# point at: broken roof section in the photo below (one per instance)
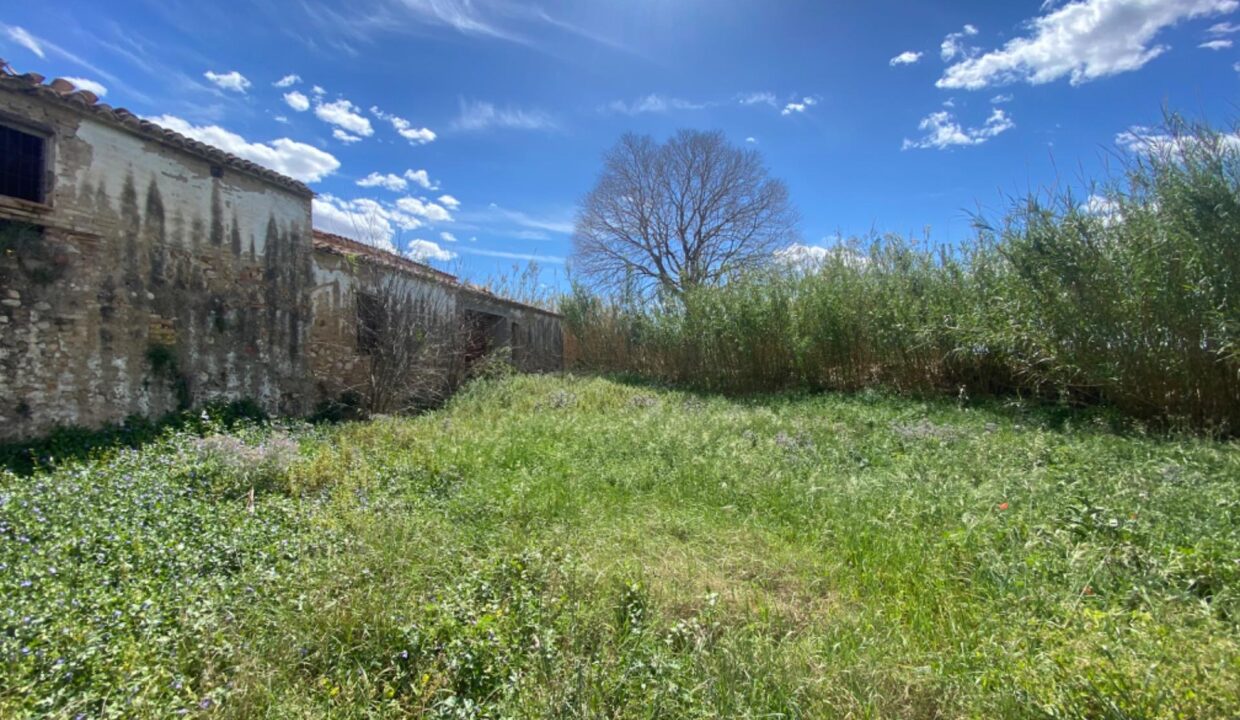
(64, 93)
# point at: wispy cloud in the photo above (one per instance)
(404, 128)
(758, 98)
(799, 107)
(561, 226)
(22, 37)
(653, 103)
(477, 115)
(42, 47)
(527, 257)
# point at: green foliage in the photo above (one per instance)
(564, 547)
(66, 444)
(1130, 298)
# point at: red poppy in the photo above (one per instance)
(1003, 506)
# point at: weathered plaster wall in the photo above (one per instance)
(154, 284)
(443, 310)
(335, 360)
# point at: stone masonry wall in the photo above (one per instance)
(153, 285)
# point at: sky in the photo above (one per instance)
(465, 132)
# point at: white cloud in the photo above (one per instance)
(426, 209)
(416, 136)
(751, 140)
(231, 80)
(390, 181)
(363, 219)
(342, 217)
(1107, 209)
(1084, 41)
(1236, 67)
(449, 202)
(20, 36)
(653, 104)
(758, 98)
(952, 46)
(344, 115)
(942, 131)
(287, 81)
(297, 160)
(345, 137)
(424, 250)
(447, 237)
(1221, 44)
(297, 101)
(1152, 141)
(813, 257)
(908, 57)
(280, 119)
(318, 90)
(89, 85)
(799, 107)
(1001, 99)
(1223, 28)
(422, 178)
(478, 115)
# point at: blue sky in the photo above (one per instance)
(470, 128)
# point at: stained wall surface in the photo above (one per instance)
(152, 285)
(154, 278)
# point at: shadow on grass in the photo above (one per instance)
(1061, 416)
(76, 443)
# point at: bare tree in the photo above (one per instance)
(690, 212)
(410, 337)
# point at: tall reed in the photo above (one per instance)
(1131, 296)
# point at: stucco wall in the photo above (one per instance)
(154, 284)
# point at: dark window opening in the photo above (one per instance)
(21, 164)
(217, 171)
(517, 343)
(370, 316)
(483, 335)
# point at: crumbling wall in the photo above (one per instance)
(449, 314)
(337, 363)
(156, 282)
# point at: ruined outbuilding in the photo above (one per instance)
(143, 272)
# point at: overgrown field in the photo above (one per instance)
(568, 547)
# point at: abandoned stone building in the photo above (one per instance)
(143, 272)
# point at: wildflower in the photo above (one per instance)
(1003, 506)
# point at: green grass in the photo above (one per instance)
(575, 547)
